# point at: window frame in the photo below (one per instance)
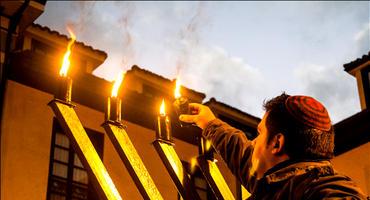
(98, 141)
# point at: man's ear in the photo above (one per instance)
(278, 144)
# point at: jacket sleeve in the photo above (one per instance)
(234, 148)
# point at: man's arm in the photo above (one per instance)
(234, 147)
(229, 142)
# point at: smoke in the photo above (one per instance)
(126, 25)
(108, 27)
(210, 69)
(189, 36)
(104, 26)
(85, 11)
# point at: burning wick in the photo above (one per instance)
(205, 148)
(193, 164)
(65, 87)
(113, 112)
(163, 129)
(181, 103)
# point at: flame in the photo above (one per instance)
(208, 145)
(177, 88)
(66, 62)
(162, 110)
(117, 84)
(193, 164)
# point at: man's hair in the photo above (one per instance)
(301, 141)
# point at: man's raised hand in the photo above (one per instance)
(201, 115)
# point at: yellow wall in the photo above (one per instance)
(25, 143)
(356, 164)
(25, 148)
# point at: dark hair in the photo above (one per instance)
(301, 141)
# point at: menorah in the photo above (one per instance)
(64, 111)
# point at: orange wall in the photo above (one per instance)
(356, 164)
(25, 144)
(25, 148)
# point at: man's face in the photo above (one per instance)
(262, 150)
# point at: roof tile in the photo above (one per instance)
(52, 32)
(359, 61)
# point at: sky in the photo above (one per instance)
(241, 53)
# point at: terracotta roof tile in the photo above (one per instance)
(213, 100)
(52, 32)
(359, 61)
(135, 67)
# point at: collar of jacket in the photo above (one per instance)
(290, 168)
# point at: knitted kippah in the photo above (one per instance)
(308, 111)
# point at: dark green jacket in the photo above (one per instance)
(292, 179)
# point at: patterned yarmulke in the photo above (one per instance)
(308, 111)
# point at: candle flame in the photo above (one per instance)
(193, 164)
(66, 62)
(117, 84)
(162, 110)
(208, 145)
(177, 88)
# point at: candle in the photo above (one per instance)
(163, 126)
(65, 89)
(181, 106)
(65, 82)
(113, 109)
(204, 147)
(181, 103)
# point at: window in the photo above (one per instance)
(68, 180)
(365, 73)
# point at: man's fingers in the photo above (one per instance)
(194, 104)
(194, 108)
(188, 118)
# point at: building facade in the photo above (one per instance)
(37, 159)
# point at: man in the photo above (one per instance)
(289, 159)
